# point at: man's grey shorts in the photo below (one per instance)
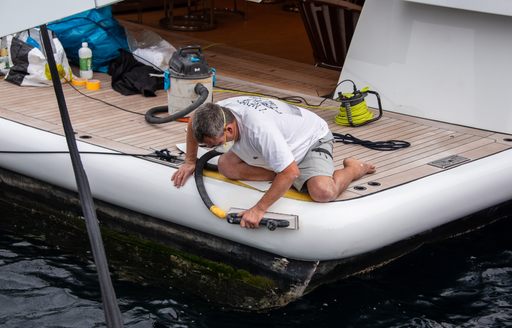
(317, 162)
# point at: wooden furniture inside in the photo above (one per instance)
(330, 25)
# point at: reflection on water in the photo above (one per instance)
(463, 282)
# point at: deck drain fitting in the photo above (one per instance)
(507, 139)
(360, 188)
(85, 137)
(374, 184)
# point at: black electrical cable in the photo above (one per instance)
(388, 145)
(115, 38)
(161, 109)
(112, 313)
(28, 152)
(104, 102)
(293, 99)
(163, 154)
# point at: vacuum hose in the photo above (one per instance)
(198, 175)
(199, 89)
(232, 218)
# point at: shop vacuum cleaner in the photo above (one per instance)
(188, 82)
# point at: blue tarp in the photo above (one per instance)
(99, 29)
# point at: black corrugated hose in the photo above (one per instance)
(150, 117)
(198, 176)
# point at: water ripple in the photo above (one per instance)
(464, 282)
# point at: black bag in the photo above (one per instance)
(131, 77)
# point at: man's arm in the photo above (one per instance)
(282, 182)
(187, 168)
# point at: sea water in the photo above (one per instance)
(461, 282)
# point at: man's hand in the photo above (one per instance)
(187, 169)
(251, 218)
(184, 172)
(282, 182)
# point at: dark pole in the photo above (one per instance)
(112, 313)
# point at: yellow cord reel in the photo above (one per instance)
(354, 110)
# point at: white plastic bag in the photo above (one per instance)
(150, 49)
(28, 64)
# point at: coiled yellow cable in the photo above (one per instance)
(359, 113)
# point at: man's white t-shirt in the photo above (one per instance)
(273, 133)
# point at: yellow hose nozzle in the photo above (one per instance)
(219, 212)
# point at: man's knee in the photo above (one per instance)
(321, 193)
(224, 166)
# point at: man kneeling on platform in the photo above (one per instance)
(275, 141)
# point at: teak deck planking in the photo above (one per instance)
(124, 131)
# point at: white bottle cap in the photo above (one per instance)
(84, 44)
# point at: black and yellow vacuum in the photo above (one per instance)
(188, 82)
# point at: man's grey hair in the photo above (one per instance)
(208, 121)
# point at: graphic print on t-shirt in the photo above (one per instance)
(262, 105)
(259, 104)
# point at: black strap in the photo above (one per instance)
(322, 150)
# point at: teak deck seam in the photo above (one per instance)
(115, 129)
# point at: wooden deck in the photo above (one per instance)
(127, 131)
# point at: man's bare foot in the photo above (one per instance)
(360, 168)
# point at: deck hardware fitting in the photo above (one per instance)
(449, 162)
(374, 183)
(359, 188)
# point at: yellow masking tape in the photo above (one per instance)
(78, 81)
(93, 85)
(292, 193)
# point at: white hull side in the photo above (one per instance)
(434, 62)
(327, 231)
